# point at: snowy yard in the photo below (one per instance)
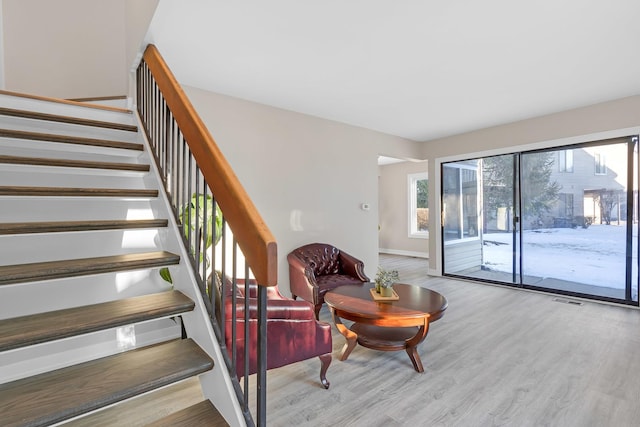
(594, 256)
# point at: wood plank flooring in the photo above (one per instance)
(498, 357)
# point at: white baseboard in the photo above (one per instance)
(404, 253)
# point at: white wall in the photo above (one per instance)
(138, 15)
(307, 176)
(394, 210)
(605, 120)
(72, 48)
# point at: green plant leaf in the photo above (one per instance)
(166, 274)
(192, 222)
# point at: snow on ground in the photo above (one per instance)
(594, 256)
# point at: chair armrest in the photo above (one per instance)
(252, 290)
(302, 279)
(277, 309)
(352, 266)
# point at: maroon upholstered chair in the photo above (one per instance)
(316, 268)
(293, 333)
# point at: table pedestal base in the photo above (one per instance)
(386, 339)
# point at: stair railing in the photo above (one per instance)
(215, 214)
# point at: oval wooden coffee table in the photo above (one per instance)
(389, 325)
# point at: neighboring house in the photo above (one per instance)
(590, 188)
(592, 185)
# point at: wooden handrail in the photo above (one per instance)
(252, 234)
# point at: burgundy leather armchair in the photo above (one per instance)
(293, 333)
(316, 268)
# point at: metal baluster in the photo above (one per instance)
(234, 311)
(247, 333)
(181, 174)
(261, 377)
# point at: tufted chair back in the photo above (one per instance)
(321, 258)
(316, 268)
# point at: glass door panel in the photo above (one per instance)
(564, 219)
(574, 219)
(478, 226)
(461, 217)
(499, 246)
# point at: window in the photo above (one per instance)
(565, 205)
(418, 205)
(601, 167)
(565, 161)
(460, 200)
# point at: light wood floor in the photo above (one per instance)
(498, 357)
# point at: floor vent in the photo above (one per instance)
(568, 301)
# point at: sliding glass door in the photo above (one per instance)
(561, 219)
(478, 231)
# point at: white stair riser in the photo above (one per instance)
(67, 129)
(33, 360)
(22, 209)
(63, 109)
(23, 299)
(36, 146)
(17, 249)
(47, 151)
(39, 176)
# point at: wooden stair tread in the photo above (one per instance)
(78, 140)
(39, 161)
(20, 273)
(66, 226)
(202, 414)
(68, 392)
(72, 192)
(38, 328)
(66, 119)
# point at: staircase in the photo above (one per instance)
(86, 321)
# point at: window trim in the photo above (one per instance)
(412, 180)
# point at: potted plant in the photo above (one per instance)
(191, 220)
(385, 280)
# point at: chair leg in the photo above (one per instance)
(325, 361)
(294, 297)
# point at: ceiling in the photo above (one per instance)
(416, 69)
